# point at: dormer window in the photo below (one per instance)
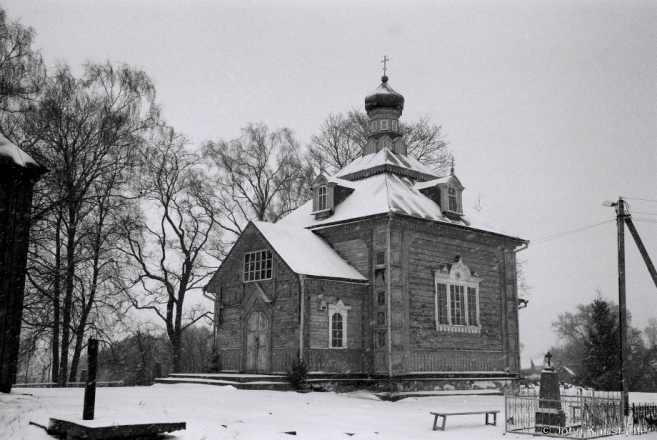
(393, 125)
(327, 195)
(453, 200)
(322, 198)
(384, 125)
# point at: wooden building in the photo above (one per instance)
(383, 274)
(19, 173)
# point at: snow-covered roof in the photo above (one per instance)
(385, 158)
(384, 193)
(306, 253)
(569, 370)
(10, 152)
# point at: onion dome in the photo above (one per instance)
(384, 97)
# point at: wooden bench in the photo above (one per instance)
(444, 416)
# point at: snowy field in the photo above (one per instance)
(214, 412)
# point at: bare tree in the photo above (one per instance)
(22, 73)
(82, 130)
(342, 137)
(165, 237)
(259, 176)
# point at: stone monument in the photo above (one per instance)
(550, 416)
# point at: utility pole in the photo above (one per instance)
(622, 217)
(622, 312)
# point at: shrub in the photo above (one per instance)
(297, 373)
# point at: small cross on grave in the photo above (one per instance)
(385, 60)
(548, 357)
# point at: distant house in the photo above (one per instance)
(383, 273)
(566, 374)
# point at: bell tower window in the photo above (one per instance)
(322, 198)
(453, 200)
(373, 126)
(393, 125)
(384, 125)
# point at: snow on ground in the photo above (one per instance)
(223, 412)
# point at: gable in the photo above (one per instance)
(231, 269)
(299, 250)
(306, 253)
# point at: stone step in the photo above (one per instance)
(251, 385)
(231, 377)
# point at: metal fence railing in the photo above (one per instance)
(643, 417)
(573, 416)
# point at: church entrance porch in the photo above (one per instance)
(257, 343)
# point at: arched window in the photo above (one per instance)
(453, 200)
(336, 330)
(322, 198)
(337, 318)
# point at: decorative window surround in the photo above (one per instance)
(343, 311)
(448, 279)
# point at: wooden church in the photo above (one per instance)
(383, 274)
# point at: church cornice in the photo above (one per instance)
(388, 168)
(423, 225)
(455, 231)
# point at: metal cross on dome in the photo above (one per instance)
(385, 60)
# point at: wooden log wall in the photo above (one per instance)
(239, 299)
(351, 294)
(426, 252)
(15, 210)
(455, 361)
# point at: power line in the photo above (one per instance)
(634, 198)
(573, 231)
(645, 220)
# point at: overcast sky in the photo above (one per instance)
(549, 107)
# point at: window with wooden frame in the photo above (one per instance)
(373, 126)
(453, 199)
(338, 314)
(384, 125)
(457, 298)
(257, 265)
(393, 125)
(322, 198)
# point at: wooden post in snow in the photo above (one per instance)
(90, 386)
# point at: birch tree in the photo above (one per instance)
(83, 130)
(258, 176)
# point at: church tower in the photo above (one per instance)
(384, 107)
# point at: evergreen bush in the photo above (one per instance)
(297, 374)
